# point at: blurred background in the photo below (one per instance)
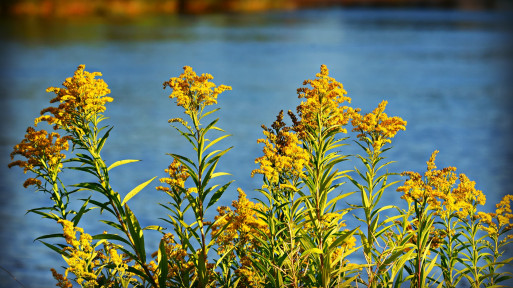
(443, 65)
(67, 8)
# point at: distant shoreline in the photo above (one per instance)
(84, 8)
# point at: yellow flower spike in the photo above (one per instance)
(376, 128)
(42, 151)
(243, 224)
(82, 256)
(437, 188)
(283, 154)
(194, 92)
(82, 97)
(179, 264)
(503, 217)
(177, 176)
(323, 102)
(179, 120)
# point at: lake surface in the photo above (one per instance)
(448, 73)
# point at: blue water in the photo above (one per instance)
(446, 72)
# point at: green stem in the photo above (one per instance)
(102, 174)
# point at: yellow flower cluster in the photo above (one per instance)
(86, 263)
(348, 244)
(323, 104)
(251, 278)
(42, 150)
(117, 260)
(178, 263)
(283, 154)
(194, 92)
(179, 120)
(338, 254)
(177, 177)
(502, 216)
(377, 128)
(242, 225)
(331, 221)
(82, 97)
(81, 255)
(464, 196)
(436, 188)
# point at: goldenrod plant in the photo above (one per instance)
(321, 121)
(497, 226)
(383, 251)
(279, 262)
(296, 232)
(194, 93)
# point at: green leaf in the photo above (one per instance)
(136, 232)
(55, 248)
(217, 174)
(209, 112)
(215, 141)
(136, 190)
(342, 238)
(121, 162)
(81, 212)
(45, 215)
(112, 224)
(218, 194)
(154, 227)
(335, 200)
(111, 237)
(139, 273)
(102, 141)
(89, 170)
(313, 250)
(58, 235)
(92, 186)
(184, 160)
(102, 206)
(162, 260)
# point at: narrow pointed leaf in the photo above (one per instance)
(121, 162)
(136, 190)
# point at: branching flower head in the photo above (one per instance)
(177, 176)
(87, 263)
(241, 227)
(437, 189)
(323, 106)
(81, 254)
(43, 154)
(283, 154)
(194, 92)
(82, 97)
(377, 128)
(464, 197)
(500, 222)
(179, 263)
(242, 223)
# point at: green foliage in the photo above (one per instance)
(295, 235)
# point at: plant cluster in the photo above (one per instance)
(295, 234)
